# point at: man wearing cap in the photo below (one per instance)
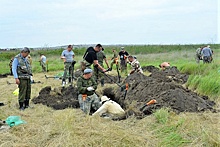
(87, 85)
(67, 56)
(207, 54)
(90, 57)
(22, 72)
(136, 67)
(123, 59)
(110, 109)
(100, 56)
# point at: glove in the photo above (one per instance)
(90, 88)
(128, 75)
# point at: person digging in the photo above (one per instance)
(110, 109)
(87, 85)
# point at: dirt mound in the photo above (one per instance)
(164, 86)
(58, 98)
(167, 75)
(167, 92)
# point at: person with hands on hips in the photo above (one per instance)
(87, 85)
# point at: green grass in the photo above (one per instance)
(70, 127)
(168, 130)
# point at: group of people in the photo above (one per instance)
(86, 83)
(204, 53)
(92, 68)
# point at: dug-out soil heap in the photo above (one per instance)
(163, 86)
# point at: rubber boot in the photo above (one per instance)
(26, 103)
(102, 82)
(21, 105)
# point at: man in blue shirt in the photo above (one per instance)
(207, 54)
(67, 56)
(22, 72)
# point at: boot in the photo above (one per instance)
(102, 82)
(26, 103)
(21, 105)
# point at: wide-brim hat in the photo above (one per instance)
(104, 98)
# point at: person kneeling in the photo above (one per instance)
(110, 109)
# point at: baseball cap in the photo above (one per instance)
(87, 70)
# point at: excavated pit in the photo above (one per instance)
(163, 86)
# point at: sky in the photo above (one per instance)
(48, 23)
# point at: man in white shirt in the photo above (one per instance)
(110, 109)
(136, 67)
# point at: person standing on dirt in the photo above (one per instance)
(22, 72)
(67, 57)
(87, 85)
(114, 59)
(136, 67)
(100, 56)
(43, 61)
(207, 54)
(90, 57)
(198, 54)
(110, 109)
(123, 59)
(164, 65)
(10, 65)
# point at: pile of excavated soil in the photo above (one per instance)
(163, 86)
(58, 98)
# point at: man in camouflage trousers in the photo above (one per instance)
(67, 57)
(87, 85)
(98, 74)
(22, 73)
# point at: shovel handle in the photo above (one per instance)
(151, 102)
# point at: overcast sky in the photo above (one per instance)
(39, 23)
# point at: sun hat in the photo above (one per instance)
(104, 98)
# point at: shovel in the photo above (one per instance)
(148, 103)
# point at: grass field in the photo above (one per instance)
(70, 127)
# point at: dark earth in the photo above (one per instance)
(163, 86)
